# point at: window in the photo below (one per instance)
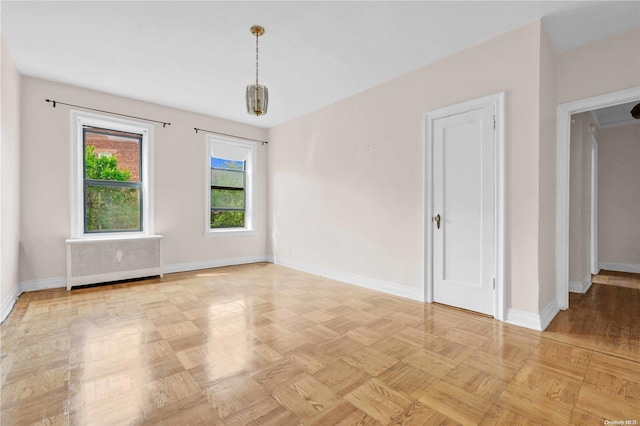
(230, 179)
(227, 193)
(111, 177)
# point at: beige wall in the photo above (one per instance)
(547, 166)
(9, 179)
(582, 127)
(619, 195)
(179, 180)
(599, 68)
(347, 190)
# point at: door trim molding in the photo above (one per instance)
(497, 101)
(562, 178)
(593, 219)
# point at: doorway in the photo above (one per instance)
(464, 206)
(562, 175)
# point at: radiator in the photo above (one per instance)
(113, 259)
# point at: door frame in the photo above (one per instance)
(563, 164)
(593, 229)
(497, 101)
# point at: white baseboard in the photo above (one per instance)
(217, 263)
(8, 302)
(354, 279)
(580, 287)
(43, 284)
(549, 313)
(620, 267)
(533, 321)
(58, 282)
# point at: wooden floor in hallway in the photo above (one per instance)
(620, 279)
(261, 344)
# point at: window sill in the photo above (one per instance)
(111, 237)
(231, 232)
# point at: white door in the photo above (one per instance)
(463, 225)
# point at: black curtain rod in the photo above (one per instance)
(226, 134)
(164, 123)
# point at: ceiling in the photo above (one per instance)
(199, 56)
(616, 115)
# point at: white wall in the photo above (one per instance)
(582, 128)
(619, 196)
(179, 182)
(347, 191)
(9, 181)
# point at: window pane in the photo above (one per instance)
(111, 155)
(227, 198)
(221, 163)
(227, 219)
(112, 209)
(229, 178)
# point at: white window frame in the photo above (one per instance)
(79, 119)
(251, 166)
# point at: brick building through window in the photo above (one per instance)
(119, 145)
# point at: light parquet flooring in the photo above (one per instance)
(265, 345)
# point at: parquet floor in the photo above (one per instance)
(265, 345)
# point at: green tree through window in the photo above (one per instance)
(109, 206)
(227, 193)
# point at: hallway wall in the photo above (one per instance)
(619, 198)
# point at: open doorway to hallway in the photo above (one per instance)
(604, 194)
(582, 208)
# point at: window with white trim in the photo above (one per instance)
(111, 177)
(230, 186)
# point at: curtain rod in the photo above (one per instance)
(164, 123)
(226, 134)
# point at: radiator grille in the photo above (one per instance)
(90, 262)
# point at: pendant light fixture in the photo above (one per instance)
(257, 95)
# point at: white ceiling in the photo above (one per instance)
(616, 115)
(199, 56)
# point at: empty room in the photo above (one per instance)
(320, 213)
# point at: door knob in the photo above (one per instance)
(437, 220)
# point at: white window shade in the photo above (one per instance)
(231, 152)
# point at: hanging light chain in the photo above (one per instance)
(257, 36)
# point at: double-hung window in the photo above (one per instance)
(230, 186)
(111, 177)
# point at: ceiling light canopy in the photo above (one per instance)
(257, 97)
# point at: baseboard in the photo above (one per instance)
(620, 267)
(580, 287)
(43, 284)
(549, 313)
(354, 279)
(58, 282)
(217, 263)
(533, 321)
(9, 302)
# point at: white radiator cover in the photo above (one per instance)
(91, 261)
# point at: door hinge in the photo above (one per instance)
(494, 283)
(494, 122)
